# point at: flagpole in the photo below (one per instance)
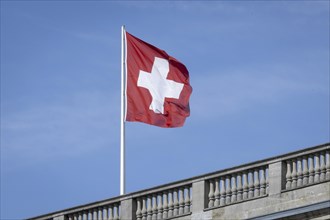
(123, 111)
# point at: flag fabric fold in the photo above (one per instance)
(157, 85)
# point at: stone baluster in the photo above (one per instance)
(154, 207)
(70, 217)
(191, 198)
(256, 182)
(239, 187)
(251, 184)
(228, 190)
(217, 193)
(311, 169)
(100, 213)
(181, 201)
(75, 217)
(116, 212)
(327, 165)
(176, 203)
(317, 168)
(160, 206)
(245, 186)
(187, 200)
(94, 213)
(165, 206)
(105, 212)
(111, 213)
(144, 208)
(267, 180)
(305, 170)
(262, 182)
(222, 191)
(85, 215)
(288, 175)
(170, 204)
(90, 214)
(233, 188)
(322, 167)
(149, 208)
(81, 215)
(299, 172)
(211, 194)
(138, 209)
(294, 174)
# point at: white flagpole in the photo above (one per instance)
(123, 111)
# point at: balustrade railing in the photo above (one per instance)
(257, 180)
(103, 212)
(307, 169)
(164, 204)
(238, 186)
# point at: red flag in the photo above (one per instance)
(158, 88)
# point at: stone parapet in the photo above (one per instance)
(289, 186)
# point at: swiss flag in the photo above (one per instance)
(158, 88)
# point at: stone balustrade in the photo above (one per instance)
(238, 186)
(105, 210)
(164, 204)
(99, 212)
(307, 169)
(262, 188)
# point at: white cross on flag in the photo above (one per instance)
(158, 87)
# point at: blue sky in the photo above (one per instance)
(259, 72)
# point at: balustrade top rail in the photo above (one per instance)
(240, 175)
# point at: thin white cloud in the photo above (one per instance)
(219, 95)
(77, 125)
